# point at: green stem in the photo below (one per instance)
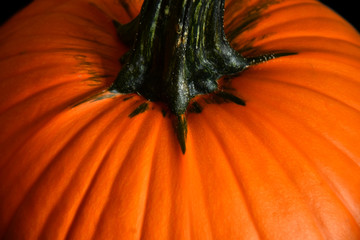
(179, 50)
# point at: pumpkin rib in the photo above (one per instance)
(203, 200)
(322, 29)
(24, 127)
(75, 16)
(306, 88)
(319, 10)
(320, 225)
(147, 204)
(287, 5)
(169, 177)
(103, 138)
(318, 221)
(351, 159)
(334, 187)
(286, 174)
(34, 69)
(322, 63)
(68, 50)
(32, 10)
(265, 30)
(271, 12)
(14, 100)
(295, 42)
(87, 192)
(81, 41)
(330, 82)
(94, 182)
(110, 66)
(123, 169)
(50, 164)
(237, 13)
(111, 14)
(52, 45)
(52, 117)
(331, 186)
(8, 38)
(328, 97)
(74, 50)
(207, 206)
(65, 104)
(327, 43)
(77, 77)
(45, 115)
(331, 45)
(115, 48)
(109, 36)
(199, 220)
(225, 115)
(207, 125)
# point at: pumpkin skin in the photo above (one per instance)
(286, 166)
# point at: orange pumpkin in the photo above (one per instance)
(74, 165)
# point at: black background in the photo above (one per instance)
(346, 8)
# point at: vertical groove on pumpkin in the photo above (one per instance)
(197, 200)
(309, 40)
(147, 204)
(81, 41)
(317, 11)
(48, 66)
(131, 157)
(71, 17)
(34, 126)
(160, 208)
(329, 99)
(106, 160)
(270, 151)
(253, 127)
(208, 123)
(77, 18)
(30, 129)
(302, 87)
(329, 182)
(124, 160)
(339, 97)
(23, 102)
(186, 183)
(247, 17)
(103, 137)
(45, 171)
(331, 186)
(266, 38)
(72, 225)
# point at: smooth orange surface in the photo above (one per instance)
(286, 166)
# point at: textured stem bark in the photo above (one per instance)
(178, 51)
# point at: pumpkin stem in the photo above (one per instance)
(181, 131)
(178, 51)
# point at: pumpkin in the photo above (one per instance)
(81, 162)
